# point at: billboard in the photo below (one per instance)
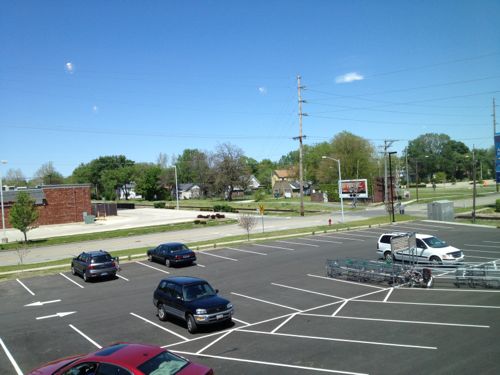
(497, 156)
(351, 188)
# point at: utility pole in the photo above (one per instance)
(300, 137)
(494, 144)
(474, 185)
(387, 143)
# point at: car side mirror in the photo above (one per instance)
(216, 290)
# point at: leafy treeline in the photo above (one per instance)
(436, 157)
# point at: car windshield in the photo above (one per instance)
(164, 363)
(177, 248)
(196, 291)
(101, 259)
(435, 242)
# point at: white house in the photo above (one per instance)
(189, 191)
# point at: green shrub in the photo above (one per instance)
(159, 204)
(259, 195)
(497, 207)
(223, 208)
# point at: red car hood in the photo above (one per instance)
(196, 369)
(51, 367)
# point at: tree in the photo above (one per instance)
(427, 151)
(148, 182)
(230, 170)
(23, 213)
(247, 222)
(15, 177)
(48, 175)
(357, 158)
(93, 172)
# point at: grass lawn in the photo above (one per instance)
(114, 234)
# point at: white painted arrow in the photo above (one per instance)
(60, 315)
(40, 303)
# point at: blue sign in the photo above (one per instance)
(497, 156)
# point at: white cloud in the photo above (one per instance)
(95, 109)
(349, 77)
(70, 68)
(262, 90)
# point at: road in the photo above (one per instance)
(146, 217)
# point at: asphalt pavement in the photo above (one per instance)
(150, 216)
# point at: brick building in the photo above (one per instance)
(57, 204)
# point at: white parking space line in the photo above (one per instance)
(283, 323)
(157, 269)
(340, 308)
(159, 326)
(218, 256)
(328, 241)
(273, 364)
(240, 321)
(73, 281)
(200, 265)
(456, 290)
(121, 277)
(412, 228)
(307, 291)
(213, 342)
(492, 241)
(493, 246)
(429, 304)
(388, 294)
(432, 226)
(400, 321)
(273, 247)
(481, 251)
(298, 243)
(245, 251)
(346, 281)
(25, 287)
(478, 257)
(11, 358)
(264, 301)
(342, 340)
(346, 238)
(374, 235)
(86, 337)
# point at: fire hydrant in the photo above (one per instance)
(329, 221)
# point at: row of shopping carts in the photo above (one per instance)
(471, 275)
(367, 271)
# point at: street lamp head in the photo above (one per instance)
(3, 161)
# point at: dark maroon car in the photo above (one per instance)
(124, 359)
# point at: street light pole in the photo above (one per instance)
(176, 188)
(4, 238)
(339, 185)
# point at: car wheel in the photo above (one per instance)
(167, 262)
(191, 324)
(162, 315)
(388, 256)
(73, 271)
(435, 261)
(85, 277)
(150, 257)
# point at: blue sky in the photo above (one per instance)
(83, 79)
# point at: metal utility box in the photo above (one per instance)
(441, 211)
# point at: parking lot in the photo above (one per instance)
(289, 317)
